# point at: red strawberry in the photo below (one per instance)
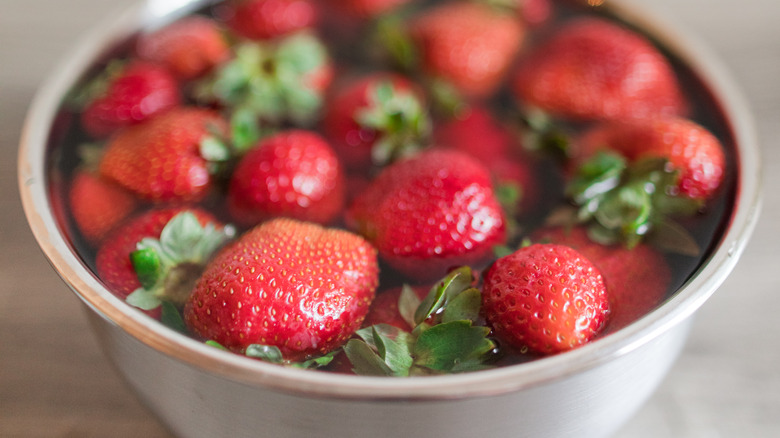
(690, 148)
(98, 205)
(375, 120)
(469, 45)
(637, 279)
(547, 298)
(594, 69)
(287, 284)
(429, 213)
(294, 174)
(162, 160)
(189, 47)
(114, 265)
(128, 95)
(265, 19)
(535, 12)
(480, 135)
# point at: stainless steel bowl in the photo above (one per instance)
(199, 391)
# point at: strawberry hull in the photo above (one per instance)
(611, 376)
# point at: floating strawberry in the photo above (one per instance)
(294, 174)
(156, 256)
(376, 120)
(189, 47)
(468, 45)
(266, 19)
(127, 94)
(98, 205)
(546, 298)
(637, 279)
(694, 152)
(594, 69)
(167, 158)
(431, 212)
(295, 288)
(445, 334)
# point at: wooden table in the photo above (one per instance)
(54, 382)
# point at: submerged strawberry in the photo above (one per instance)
(167, 158)
(98, 205)
(127, 95)
(157, 255)
(468, 45)
(266, 19)
(431, 212)
(294, 174)
(546, 298)
(637, 279)
(289, 286)
(376, 120)
(189, 47)
(593, 69)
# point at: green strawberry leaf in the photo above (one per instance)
(147, 265)
(390, 33)
(365, 361)
(464, 306)
(143, 299)
(453, 284)
(215, 344)
(267, 353)
(171, 318)
(446, 346)
(408, 302)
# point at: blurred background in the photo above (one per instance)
(54, 382)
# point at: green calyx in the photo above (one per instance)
(627, 203)
(273, 354)
(399, 118)
(446, 337)
(168, 267)
(266, 84)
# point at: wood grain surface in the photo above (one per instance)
(54, 381)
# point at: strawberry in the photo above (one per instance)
(546, 298)
(480, 135)
(189, 47)
(294, 173)
(179, 239)
(690, 148)
(163, 160)
(430, 212)
(386, 308)
(637, 279)
(468, 45)
(592, 69)
(266, 19)
(375, 120)
(98, 205)
(126, 95)
(292, 287)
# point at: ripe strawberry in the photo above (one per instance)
(294, 174)
(286, 284)
(127, 95)
(98, 205)
(637, 279)
(375, 120)
(547, 298)
(691, 149)
(182, 255)
(431, 212)
(469, 45)
(593, 69)
(163, 160)
(189, 47)
(480, 135)
(266, 19)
